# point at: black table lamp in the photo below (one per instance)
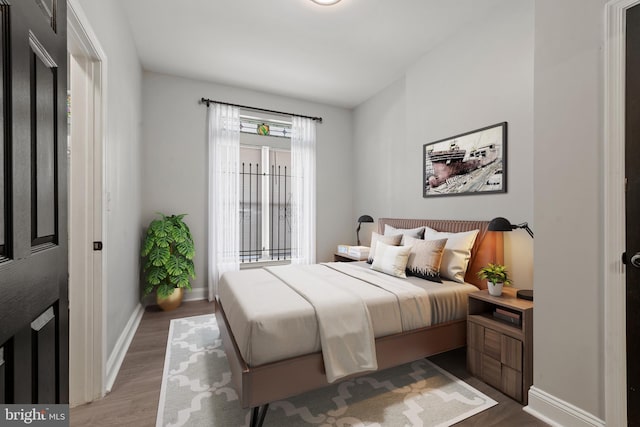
(363, 218)
(503, 224)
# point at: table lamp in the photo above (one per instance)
(363, 218)
(503, 224)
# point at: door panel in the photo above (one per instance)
(43, 147)
(632, 171)
(33, 272)
(3, 367)
(44, 345)
(5, 182)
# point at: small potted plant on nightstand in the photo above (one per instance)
(168, 249)
(496, 276)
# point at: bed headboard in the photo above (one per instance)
(487, 248)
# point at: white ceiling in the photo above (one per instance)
(339, 55)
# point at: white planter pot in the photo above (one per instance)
(495, 289)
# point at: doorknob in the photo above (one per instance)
(635, 260)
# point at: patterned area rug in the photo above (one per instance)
(196, 391)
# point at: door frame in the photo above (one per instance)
(615, 330)
(89, 341)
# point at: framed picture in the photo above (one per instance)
(470, 163)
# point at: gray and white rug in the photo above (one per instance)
(196, 391)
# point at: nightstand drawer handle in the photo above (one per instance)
(635, 260)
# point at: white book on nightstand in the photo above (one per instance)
(358, 251)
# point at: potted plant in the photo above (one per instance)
(168, 250)
(496, 276)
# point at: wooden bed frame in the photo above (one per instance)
(257, 386)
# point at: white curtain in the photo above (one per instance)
(224, 214)
(303, 189)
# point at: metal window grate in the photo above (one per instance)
(253, 247)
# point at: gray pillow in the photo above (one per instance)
(389, 240)
(416, 233)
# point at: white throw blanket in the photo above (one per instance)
(415, 308)
(346, 334)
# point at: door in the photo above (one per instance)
(86, 363)
(632, 200)
(33, 197)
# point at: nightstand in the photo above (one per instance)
(500, 342)
(348, 253)
(338, 257)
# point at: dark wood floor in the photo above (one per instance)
(507, 412)
(133, 400)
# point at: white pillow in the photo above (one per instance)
(393, 240)
(416, 233)
(391, 259)
(457, 252)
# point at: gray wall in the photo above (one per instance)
(568, 326)
(538, 67)
(479, 77)
(174, 159)
(122, 152)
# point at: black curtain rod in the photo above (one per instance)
(207, 102)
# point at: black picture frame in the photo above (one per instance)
(471, 163)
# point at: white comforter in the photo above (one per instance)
(271, 321)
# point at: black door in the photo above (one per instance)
(33, 197)
(632, 171)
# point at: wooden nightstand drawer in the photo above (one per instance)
(503, 348)
(511, 382)
(511, 352)
(492, 371)
(492, 343)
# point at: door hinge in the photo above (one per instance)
(97, 246)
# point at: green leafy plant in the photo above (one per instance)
(495, 273)
(168, 250)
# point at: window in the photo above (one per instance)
(265, 190)
(257, 126)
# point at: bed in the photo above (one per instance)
(261, 378)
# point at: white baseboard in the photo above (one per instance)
(557, 412)
(148, 300)
(114, 362)
(196, 294)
